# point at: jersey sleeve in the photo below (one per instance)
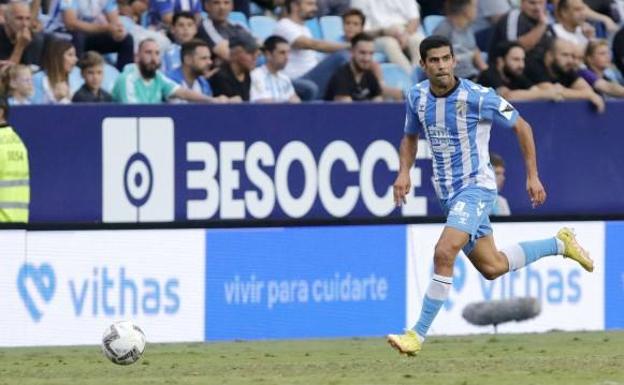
(412, 123)
(498, 110)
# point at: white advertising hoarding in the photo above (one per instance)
(66, 286)
(571, 299)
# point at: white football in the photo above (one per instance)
(123, 343)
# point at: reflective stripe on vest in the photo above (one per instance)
(14, 183)
(14, 205)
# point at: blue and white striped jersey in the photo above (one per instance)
(457, 127)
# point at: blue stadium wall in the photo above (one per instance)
(314, 161)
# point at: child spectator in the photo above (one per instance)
(184, 30)
(17, 84)
(92, 71)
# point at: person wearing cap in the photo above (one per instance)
(233, 78)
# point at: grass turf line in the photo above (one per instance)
(556, 358)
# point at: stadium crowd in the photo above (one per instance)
(232, 51)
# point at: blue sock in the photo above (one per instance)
(534, 250)
(437, 293)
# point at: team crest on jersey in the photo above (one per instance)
(506, 109)
(461, 107)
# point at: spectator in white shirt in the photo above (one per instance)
(395, 24)
(309, 74)
(268, 83)
(572, 24)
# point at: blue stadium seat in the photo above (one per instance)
(394, 76)
(262, 26)
(331, 27)
(380, 57)
(239, 18)
(431, 22)
(110, 76)
(315, 28)
(614, 74)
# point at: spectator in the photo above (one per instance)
(233, 78)
(217, 28)
(597, 60)
(618, 50)
(354, 81)
(332, 7)
(92, 70)
(196, 62)
(395, 24)
(144, 83)
(456, 27)
(18, 43)
(353, 24)
(268, 83)
(604, 11)
(309, 75)
(506, 76)
(528, 25)
(93, 26)
(130, 15)
(52, 84)
(184, 30)
(17, 84)
(162, 12)
(558, 67)
(572, 25)
(489, 12)
(501, 206)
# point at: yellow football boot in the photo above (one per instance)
(573, 250)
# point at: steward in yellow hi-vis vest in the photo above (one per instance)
(14, 173)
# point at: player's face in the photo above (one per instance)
(279, 57)
(500, 177)
(514, 61)
(352, 26)
(202, 61)
(601, 58)
(362, 55)
(439, 65)
(533, 8)
(184, 30)
(219, 10)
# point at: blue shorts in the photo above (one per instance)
(469, 211)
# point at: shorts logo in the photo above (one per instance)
(44, 282)
(138, 170)
(480, 207)
(458, 212)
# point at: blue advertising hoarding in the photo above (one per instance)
(305, 282)
(614, 275)
(115, 163)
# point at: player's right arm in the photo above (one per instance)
(407, 154)
(408, 148)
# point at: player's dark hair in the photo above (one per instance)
(182, 15)
(362, 36)
(502, 49)
(496, 160)
(191, 46)
(432, 42)
(354, 12)
(455, 7)
(271, 43)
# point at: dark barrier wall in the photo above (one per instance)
(314, 161)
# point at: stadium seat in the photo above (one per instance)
(262, 26)
(614, 74)
(315, 28)
(110, 76)
(394, 76)
(380, 57)
(331, 27)
(239, 18)
(431, 22)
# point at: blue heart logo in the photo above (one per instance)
(44, 281)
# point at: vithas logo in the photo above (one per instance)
(138, 170)
(43, 280)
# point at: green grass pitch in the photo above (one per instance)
(592, 358)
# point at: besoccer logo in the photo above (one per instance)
(137, 170)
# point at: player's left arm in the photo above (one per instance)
(534, 186)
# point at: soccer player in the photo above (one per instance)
(456, 116)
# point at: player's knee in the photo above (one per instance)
(444, 255)
(490, 272)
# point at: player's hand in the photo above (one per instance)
(401, 187)
(536, 191)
